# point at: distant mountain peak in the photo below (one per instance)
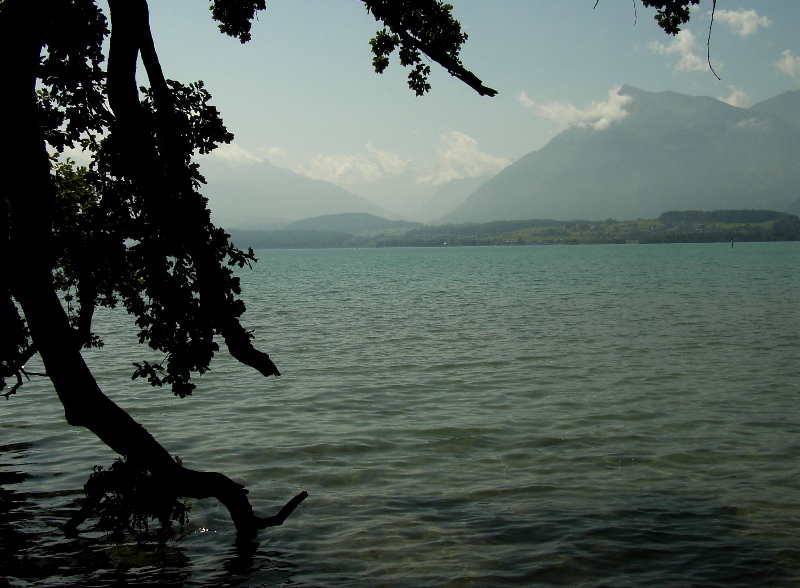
(256, 195)
(784, 106)
(672, 151)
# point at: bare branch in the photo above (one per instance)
(708, 42)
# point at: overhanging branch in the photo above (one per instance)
(453, 67)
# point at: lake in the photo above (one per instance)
(591, 416)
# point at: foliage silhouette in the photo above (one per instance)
(132, 229)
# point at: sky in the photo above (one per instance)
(302, 94)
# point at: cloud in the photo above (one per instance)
(737, 97)
(458, 158)
(790, 65)
(684, 46)
(232, 153)
(272, 152)
(742, 22)
(349, 169)
(598, 115)
(753, 123)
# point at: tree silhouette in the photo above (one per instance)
(133, 228)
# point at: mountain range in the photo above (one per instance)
(264, 196)
(670, 152)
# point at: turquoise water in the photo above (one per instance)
(519, 416)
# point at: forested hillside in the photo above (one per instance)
(670, 227)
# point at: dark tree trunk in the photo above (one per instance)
(27, 266)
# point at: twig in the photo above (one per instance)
(284, 513)
(708, 42)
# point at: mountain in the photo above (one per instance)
(785, 106)
(448, 197)
(333, 230)
(671, 152)
(264, 196)
(688, 226)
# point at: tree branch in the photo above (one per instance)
(16, 369)
(198, 485)
(453, 67)
(405, 19)
(240, 346)
(31, 197)
(708, 41)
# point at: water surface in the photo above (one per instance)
(518, 416)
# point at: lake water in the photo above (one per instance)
(485, 417)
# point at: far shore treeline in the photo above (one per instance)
(366, 230)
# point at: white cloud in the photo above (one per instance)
(790, 65)
(272, 152)
(598, 115)
(742, 22)
(348, 169)
(458, 158)
(525, 101)
(753, 123)
(684, 46)
(737, 97)
(232, 153)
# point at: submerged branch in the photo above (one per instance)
(166, 488)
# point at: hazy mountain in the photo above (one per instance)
(264, 196)
(400, 194)
(786, 107)
(672, 152)
(448, 197)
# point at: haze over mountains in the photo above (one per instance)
(263, 196)
(669, 152)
